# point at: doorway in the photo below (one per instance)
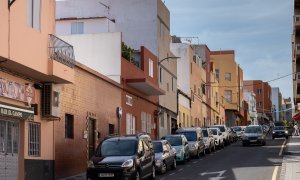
(9, 148)
(91, 130)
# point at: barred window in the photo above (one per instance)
(69, 126)
(34, 139)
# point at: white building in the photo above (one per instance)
(250, 98)
(276, 104)
(142, 23)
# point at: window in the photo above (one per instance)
(130, 124)
(111, 129)
(228, 76)
(162, 123)
(69, 126)
(160, 74)
(77, 28)
(129, 100)
(259, 104)
(146, 122)
(150, 68)
(168, 87)
(217, 74)
(34, 14)
(34, 139)
(203, 88)
(258, 91)
(228, 96)
(195, 88)
(172, 84)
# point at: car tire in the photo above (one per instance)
(163, 168)
(174, 165)
(203, 152)
(273, 137)
(244, 144)
(198, 154)
(153, 172)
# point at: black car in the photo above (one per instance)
(125, 158)
(279, 131)
(165, 156)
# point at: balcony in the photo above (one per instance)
(61, 60)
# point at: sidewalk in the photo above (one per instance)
(291, 161)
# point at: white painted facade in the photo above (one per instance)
(101, 52)
(276, 104)
(183, 66)
(250, 98)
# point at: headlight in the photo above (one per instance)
(128, 163)
(91, 164)
(273, 132)
(286, 132)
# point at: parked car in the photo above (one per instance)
(124, 157)
(195, 139)
(224, 131)
(254, 134)
(280, 131)
(239, 131)
(266, 128)
(165, 156)
(181, 145)
(218, 137)
(209, 140)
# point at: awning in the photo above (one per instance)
(13, 111)
(145, 86)
(296, 117)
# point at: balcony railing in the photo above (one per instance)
(61, 51)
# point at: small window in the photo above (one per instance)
(77, 28)
(129, 100)
(168, 87)
(69, 126)
(228, 76)
(203, 88)
(34, 139)
(162, 123)
(34, 14)
(160, 74)
(150, 68)
(111, 129)
(228, 96)
(259, 104)
(217, 74)
(130, 124)
(258, 91)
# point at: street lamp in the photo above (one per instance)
(167, 58)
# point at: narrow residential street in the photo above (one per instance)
(233, 162)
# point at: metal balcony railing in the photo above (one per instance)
(61, 51)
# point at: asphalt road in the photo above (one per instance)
(234, 162)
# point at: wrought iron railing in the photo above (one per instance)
(61, 51)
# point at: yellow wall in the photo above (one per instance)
(226, 63)
(185, 121)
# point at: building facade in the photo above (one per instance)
(230, 83)
(250, 98)
(276, 104)
(287, 109)
(30, 81)
(262, 92)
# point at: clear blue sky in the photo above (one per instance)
(258, 30)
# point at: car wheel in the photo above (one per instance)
(174, 165)
(198, 154)
(163, 168)
(214, 148)
(137, 175)
(273, 137)
(153, 172)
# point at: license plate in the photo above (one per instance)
(106, 175)
(252, 140)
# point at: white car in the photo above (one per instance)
(224, 131)
(218, 137)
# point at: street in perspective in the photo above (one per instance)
(149, 89)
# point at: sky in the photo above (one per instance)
(258, 30)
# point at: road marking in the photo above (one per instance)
(180, 169)
(275, 173)
(218, 176)
(195, 162)
(282, 146)
(172, 174)
(162, 178)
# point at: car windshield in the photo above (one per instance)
(214, 131)
(253, 130)
(118, 148)
(205, 134)
(278, 128)
(174, 140)
(157, 147)
(237, 129)
(190, 136)
(221, 128)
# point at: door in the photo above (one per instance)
(9, 148)
(92, 129)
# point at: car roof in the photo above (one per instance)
(122, 138)
(188, 129)
(161, 141)
(214, 128)
(174, 135)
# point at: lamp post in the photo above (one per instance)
(167, 58)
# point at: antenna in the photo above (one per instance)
(108, 8)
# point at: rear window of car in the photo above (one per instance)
(253, 130)
(205, 134)
(174, 140)
(157, 147)
(117, 148)
(222, 128)
(214, 131)
(190, 135)
(278, 128)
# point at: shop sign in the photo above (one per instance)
(17, 91)
(16, 112)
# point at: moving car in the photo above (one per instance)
(254, 134)
(224, 131)
(124, 157)
(218, 137)
(280, 131)
(238, 130)
(180, 144)
(165, 156)
(209, 140)
(195, 139)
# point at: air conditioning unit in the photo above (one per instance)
(51, 100)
